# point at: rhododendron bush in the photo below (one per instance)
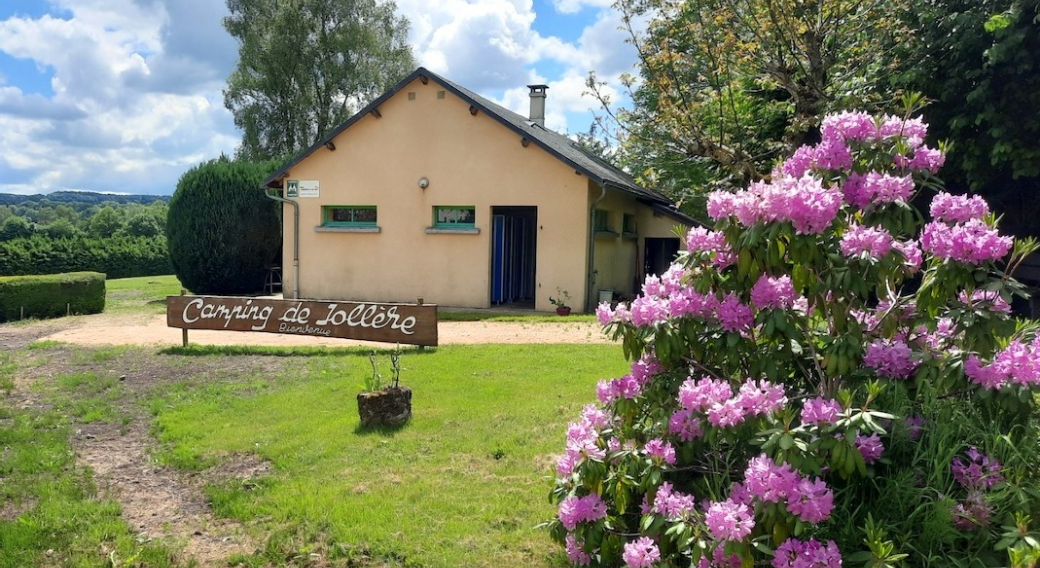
(827, 375)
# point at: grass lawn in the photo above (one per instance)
(462, 484)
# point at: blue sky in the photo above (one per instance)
(125, 95)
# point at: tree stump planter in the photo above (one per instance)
(387, 407)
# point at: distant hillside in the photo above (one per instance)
(84, 197)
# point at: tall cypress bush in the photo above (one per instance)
(221, 230)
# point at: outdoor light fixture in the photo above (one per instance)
(330, 145)
(424, 182)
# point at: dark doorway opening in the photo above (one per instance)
(658, 254)
(514, 233)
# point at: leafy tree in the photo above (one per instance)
(979, 62)
(15, 227)
(726, 87)
(222, 231)
(143, 225)
(60, 228)
(105, 223)
(307, 65)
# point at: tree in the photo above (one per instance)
(15, 227)
(726, 87)
(307, 65)
(978, 61)
(60, 228)
(105, 223)
(222, 231)
(143, 225)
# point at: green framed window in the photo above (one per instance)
(628, 224)
(348, 216)
(601, 221)
(454, 217)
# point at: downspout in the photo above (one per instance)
(296, 240)
(590, 305)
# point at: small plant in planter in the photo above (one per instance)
(385, 405)
(560, 301)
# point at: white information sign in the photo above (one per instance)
(309, 188)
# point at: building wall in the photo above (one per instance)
(468, 160)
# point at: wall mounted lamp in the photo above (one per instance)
(330, 145)
(424, 182)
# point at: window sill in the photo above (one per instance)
(630, 235)
(329, 229)
(606, 234)
(452, 231)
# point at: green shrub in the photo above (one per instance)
(119, 256)
(51, 296)
(222, 231)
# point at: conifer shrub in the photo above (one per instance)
(222, 232)
(826, 377)
(51, 296)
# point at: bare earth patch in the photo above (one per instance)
(163, 503)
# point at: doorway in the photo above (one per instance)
(514, 233)
(658, 254)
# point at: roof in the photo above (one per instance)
(557, 145)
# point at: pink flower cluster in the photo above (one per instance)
(875, 242)
(576, 551)
(803, 201)
(877, 189)
(890, 358)
(631, 385)
(1017, 364)
(809, 499)
(870, 447)
(587, 509)
(958, 208)
(973, 512)
(773, 293)
(795, 553)
(582, 440)
(971, 242)
(986, 298)
(672, 504)
(641, 553)
(729, 521)
(701, 240)
(660, 451)
(821, 411)
(979, 472)
(714, 399)
(913, 258)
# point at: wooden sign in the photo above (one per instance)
(411, 324)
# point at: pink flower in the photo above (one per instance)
(820, 411)
(973, 513)
(809, 554)
(890, 358)
(576, 551)
(729, 521)
(812, 501)
(761, 397)
(704, 393)
(972, 242)
(574, 510)
(648, 311)
(769, 482)
(979, 472)
(657, 449)
(734, 315)
(913, 258)
(958, 208)
(875, 242)
(986, 298)
(685, 425)
(886, 188)
(701, 240)
(641, 553)
(672, 504)
(849, 125)
(773, 293)
(870, 447)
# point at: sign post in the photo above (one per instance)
(410, 324)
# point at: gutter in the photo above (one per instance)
(590, 278)
(296, 239)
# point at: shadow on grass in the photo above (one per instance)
(289, 351)
(380, 430)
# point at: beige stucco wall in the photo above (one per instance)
(469, 160)
(619, 256)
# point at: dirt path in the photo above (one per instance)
(168, 504)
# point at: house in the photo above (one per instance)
(434, 192)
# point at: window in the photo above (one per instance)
(348, 216)
(601, 221)
(454, 217)
(628, 224)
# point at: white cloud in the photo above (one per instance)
(575, 6)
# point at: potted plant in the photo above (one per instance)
(560, 301)
(385, 405)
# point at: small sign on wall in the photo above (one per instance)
(302, 188)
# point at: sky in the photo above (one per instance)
(124, 96)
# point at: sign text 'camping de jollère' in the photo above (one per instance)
(411, 324)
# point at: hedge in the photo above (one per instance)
(51, 296)
(118, 257)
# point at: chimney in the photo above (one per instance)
(538, 104)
